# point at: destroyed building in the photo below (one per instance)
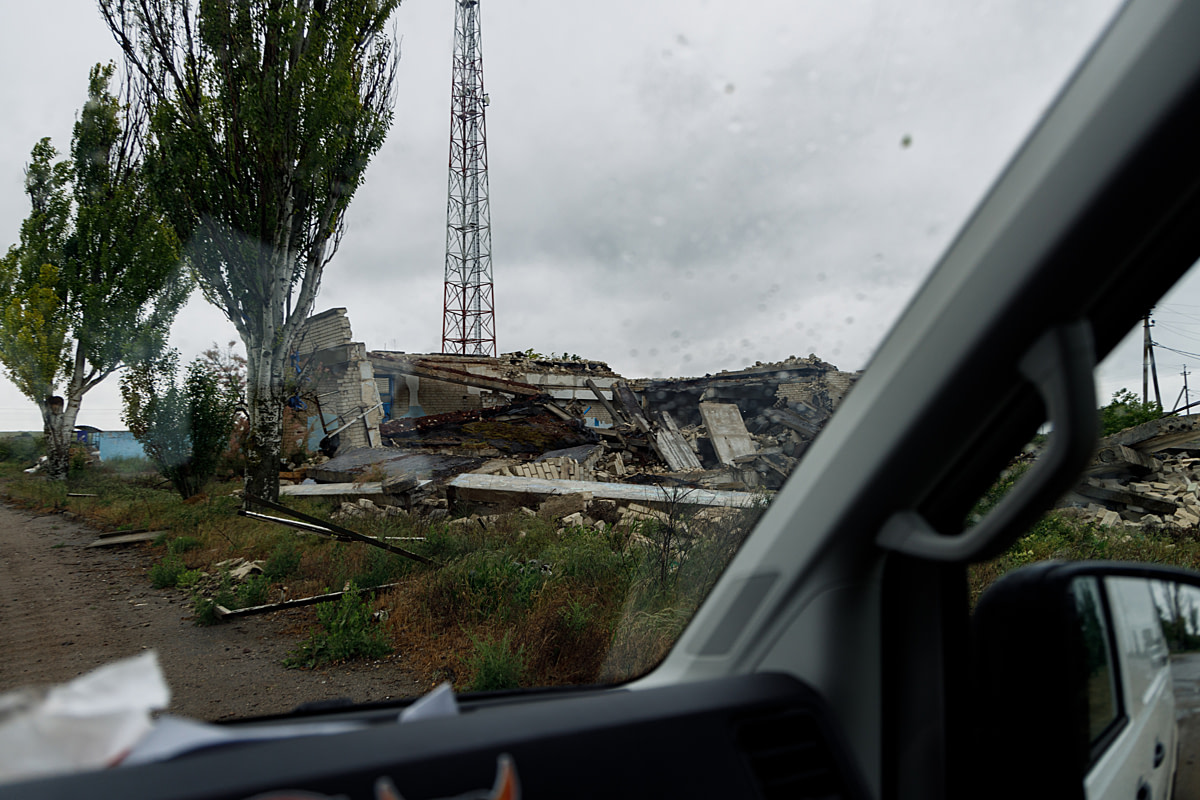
(1147, 476)
(427, 428)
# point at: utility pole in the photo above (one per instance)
(1148, 365)
(468, 315)
(1187, 400)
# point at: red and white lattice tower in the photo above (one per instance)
(468, 317)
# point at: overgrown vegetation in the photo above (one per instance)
(496, 665)
(518, 602)
(1125, 411)
(184, 428)
(347, 631)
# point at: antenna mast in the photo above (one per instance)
(468, 317)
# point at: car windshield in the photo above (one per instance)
(315, 419)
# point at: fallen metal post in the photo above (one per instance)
(335, 531)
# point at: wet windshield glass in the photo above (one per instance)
(501, 426)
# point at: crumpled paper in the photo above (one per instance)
(438, 703)
(88, 723)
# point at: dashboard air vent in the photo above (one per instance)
(789, 756)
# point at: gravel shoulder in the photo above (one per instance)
(66, 609)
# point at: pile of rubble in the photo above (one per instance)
(1146, 476)
(710, 442)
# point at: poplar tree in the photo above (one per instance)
(266, 115)
(95, 281)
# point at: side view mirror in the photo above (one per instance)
(1086, 677)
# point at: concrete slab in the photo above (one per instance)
(347, 490)
(499, 488)
(391, 463)
(727, 431)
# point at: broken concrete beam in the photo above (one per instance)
(498, 489)
(1116, 459)
(632, 408)
(350, 491)
(616, 416)
(1157, 434)
(563, 505)
(727, 431)
(423, 369)
(790, 419)
(672, 447)
(383, 463)
(1151, 504)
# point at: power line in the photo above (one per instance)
(1175, 350)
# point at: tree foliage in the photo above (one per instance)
(184, 429)
(266, 115)
(95, 280)
(1125, 411)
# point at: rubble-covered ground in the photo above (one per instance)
(1143, 477)
(739, 432)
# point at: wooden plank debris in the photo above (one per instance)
(113, 538)
(225, 613)
(499, 488)
(727, 431)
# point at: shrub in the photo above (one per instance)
(183, 429)
(253, 592)
(283, 561)
(166, 573)
(495, 665)
(349, 632)
(24, 448)
(204, 611)
(189, 578)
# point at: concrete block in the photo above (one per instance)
(1186, 518)
(562, 505)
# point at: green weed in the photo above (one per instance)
(348, 632)
(283, 561)
(189, 578)
(182, 544)
(204, 611)
(166, 573)
(253, 592)
(496, 665)
(576, 616)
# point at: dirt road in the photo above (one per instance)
(66, 608)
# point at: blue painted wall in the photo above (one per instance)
(117, 444)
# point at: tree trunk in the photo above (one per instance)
(265, 435)
(58, 425)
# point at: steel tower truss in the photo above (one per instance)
(468, 319)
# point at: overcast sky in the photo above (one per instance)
(677, 187)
